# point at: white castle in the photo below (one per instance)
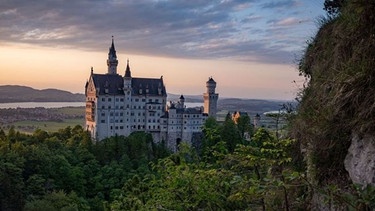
(120, 105)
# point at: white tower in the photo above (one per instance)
(210, 98)
(112, 61)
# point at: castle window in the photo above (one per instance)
(103, 114)
(149, 100)
(116, 127)
(103, 107)
(121, 127)
(103, 99)
(136, 100)
(143, 100)
(117, 99)
(121, 99)
(157, 100)
(109, 99)
(102, 121)
(109, 107)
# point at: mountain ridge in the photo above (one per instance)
(19, 93)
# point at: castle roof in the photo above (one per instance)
(108, 84)
(112, 50)
(113, 84)
(151, 84)
(127, 71)
(211, 80)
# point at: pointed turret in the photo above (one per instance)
(127, 71)
(112, 61)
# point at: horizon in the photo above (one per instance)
(250, 48)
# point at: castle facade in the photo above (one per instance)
(120, 105)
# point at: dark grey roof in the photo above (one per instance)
(211, 80)
(127, 71)
(188, 111)
(111, 84)
(151, 84)
(112, 50)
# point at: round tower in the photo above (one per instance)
(182, 101)
(211, 85)
(210, 98)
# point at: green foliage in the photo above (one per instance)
(337, 99)
(64, 170)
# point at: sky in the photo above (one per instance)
(250, 47)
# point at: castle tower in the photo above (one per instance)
(112, 61)
(182, 101)
(210, 98)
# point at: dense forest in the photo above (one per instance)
(65, 170)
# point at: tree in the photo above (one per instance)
(333, 6)
(11, 182)
(230, 135)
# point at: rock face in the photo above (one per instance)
(360, 160)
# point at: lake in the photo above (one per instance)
(61, 104)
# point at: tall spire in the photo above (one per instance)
(112, 61)
(127, 71)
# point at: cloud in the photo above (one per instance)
(173, 28)
(280, 4)
(287, 21)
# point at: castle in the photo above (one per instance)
(120, 105)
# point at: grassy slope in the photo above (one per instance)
(339, 98)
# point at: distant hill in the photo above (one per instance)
(15, 93)
(252, 106)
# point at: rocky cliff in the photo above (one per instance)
(336, 116)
